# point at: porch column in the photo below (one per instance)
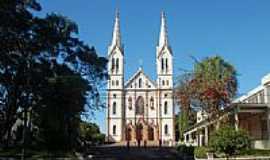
(186, 138)
(236, 118)
(200, 136)
(201, 139)
(268, 123)
(206, 135)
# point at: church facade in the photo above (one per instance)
(140, 108)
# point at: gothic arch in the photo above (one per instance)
(151, 133)
(139, 107)
(139, 131)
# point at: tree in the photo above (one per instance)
(90, 133)
(229, 141)
(210, 86)
(16, 20)
(58, 120)
(216, 83)
(184, 94)
(41, 53)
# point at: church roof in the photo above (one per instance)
(140, 71)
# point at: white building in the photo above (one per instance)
(140, 109)
(250, 112)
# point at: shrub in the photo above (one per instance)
(200, 152)
(229, 141)
(189, 150)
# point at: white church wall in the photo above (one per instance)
(116, 97)
(170, 134)
(116, 137)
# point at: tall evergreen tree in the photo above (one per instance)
(41, 53)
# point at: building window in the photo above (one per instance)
(140, 83)
(166, 129)
(130, 103)
(114, 95)
(117, 65)
(114, 108)
(163, 82)
(152, 103)
(165, 107)
(167, 82)
(117, 82)
(113, 64)
(139, 106)
(166, 64)
(114, 129)
(112, 82)
(162, 64)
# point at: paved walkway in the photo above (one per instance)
(134, 153)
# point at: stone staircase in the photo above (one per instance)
(133, 153)
(135, 144)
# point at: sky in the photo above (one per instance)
(237, 30)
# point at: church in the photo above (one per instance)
(140, 109)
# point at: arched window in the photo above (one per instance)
(165, 107)
(113, 63)
(162, 64)
(152, 103)
(166, 129)
(166, 64)
(139, 106)
(130, 103)
(140, 83)
(114, 108)
(114, 129)
(117, 65)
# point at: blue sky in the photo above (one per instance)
(238, 30)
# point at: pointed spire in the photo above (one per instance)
(163, 36)
(116, 39)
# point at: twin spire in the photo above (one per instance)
(116, 39)
(163, 36)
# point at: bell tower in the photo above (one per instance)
(164, 58)
(115, 100)
(164, 64)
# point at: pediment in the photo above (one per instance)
(140, 81)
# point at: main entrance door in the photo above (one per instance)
(139, 132)
(150, 133)
(128, 135)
